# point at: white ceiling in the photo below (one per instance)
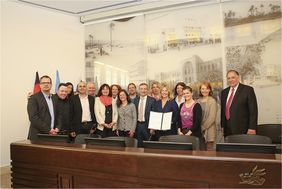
(82, 7)
(95, 10)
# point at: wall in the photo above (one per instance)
(33, 39)
(194, 44)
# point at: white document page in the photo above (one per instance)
(167, 121)
(155, 120)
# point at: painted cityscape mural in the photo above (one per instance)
(193, 44)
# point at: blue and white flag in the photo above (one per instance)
(57, 81)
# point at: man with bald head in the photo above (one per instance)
(239, 110)
(91, 89)
(82, 111)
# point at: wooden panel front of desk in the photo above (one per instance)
(38, 165)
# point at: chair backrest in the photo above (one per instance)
(182, 139)
(80, 138)
(249, 139)
(129, 141)
(53, 138)
(272, 131)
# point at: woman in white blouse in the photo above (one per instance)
(105, 112)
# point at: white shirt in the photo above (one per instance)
(51, 109)
(230, 91)
(144, 103)
(181, 100)
(86, 115)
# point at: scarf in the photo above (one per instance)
(106, 100)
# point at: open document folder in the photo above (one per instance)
(160, 121)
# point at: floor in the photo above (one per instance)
(5, 177)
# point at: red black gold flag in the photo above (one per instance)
(36, 88)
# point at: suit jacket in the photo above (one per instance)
(150, 104)
(170, 106)
(76, 112)
(40, 117)
(208, 124)
(243, 110)
(63, 106)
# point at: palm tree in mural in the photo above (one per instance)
(270, 6)
(251, 10)
(112, 25)
(256, 11)
(261, 9)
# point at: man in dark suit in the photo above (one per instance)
(42, 113)
(239, 111)
(144, 104)
(82, 112)
(63, 106)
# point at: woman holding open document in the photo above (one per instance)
(190, 115)
(164, 105)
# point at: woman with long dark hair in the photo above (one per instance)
(106, 112)
(127, 116)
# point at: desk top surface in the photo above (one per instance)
(210, 155)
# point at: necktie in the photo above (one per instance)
(227, 109)
(141, 110)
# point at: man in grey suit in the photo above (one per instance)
(43, 116)
(239, 110)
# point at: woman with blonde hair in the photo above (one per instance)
(156, 90)
(167, 104)
(209, 110)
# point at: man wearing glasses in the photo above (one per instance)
(44, 118)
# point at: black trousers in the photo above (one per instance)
(107, 132)
(85, 128)
(227, 129)
(123, 133)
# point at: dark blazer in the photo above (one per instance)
(63, 106)
(243, 110)
(76, 112)
(40, 117)
(150, 104)
(170, 106)
(197, 120)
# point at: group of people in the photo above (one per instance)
(114, 111)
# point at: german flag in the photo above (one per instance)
(36, 88)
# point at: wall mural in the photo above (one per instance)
(192, 45)
(253, 47)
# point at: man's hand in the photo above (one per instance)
(72, 134)
(251, 132)
(152, 131)
(53, 132)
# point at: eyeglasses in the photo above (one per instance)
(44, 83)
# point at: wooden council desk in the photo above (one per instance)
(45, 164)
